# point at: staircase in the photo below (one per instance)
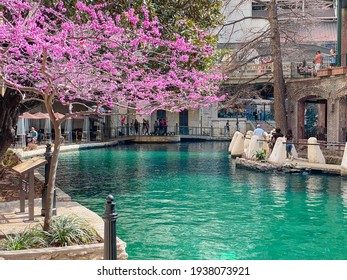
(265, 125)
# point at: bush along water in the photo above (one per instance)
(65, 231)
(260, 154)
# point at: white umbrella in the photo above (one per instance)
(86, 131)
(68, 128)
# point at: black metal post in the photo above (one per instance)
(110, 235)
(48, 157)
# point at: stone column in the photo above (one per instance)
(344, 163)
(343, 32)
(278, 154)
(236, 146)
(314, 153)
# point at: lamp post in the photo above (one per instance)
(110, 235)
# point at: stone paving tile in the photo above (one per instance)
(12, 221)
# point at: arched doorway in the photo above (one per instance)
(313, 118)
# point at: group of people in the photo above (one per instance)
(262, 136)
(263, 62)
(159, 127)
(304, 69)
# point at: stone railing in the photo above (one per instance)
(262, 72)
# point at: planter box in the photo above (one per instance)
(76, 252)
(340, 70)
(324, 72)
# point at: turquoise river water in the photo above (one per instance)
(188, 201)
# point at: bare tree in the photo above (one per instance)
(284, 23)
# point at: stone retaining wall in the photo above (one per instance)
(78, 252)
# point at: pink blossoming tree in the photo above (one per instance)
(121, 61)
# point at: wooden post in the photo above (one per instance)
(22, 194)
(31, 195)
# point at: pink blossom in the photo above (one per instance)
(103, 60)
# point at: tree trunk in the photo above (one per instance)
(54, 163)
(52, 178)
(9, 112)
(278, 80)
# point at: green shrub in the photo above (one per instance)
(261, 154)
(70, 230)
(64, 231)
(29, 238)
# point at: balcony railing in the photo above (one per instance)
(261, 72)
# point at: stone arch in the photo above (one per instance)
(330, 95)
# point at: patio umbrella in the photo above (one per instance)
(67, 130)
(86, 131)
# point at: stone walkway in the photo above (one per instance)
(13, 221)
(66, 148)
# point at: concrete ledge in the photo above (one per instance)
(157, 139)
(65, 148)
(78, 252)
(13, 221)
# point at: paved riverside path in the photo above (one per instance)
(11, 221)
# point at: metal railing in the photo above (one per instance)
(126, 130)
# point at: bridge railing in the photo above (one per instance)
(172, 131)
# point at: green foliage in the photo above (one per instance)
(261, 154)
(29, 238)
(70, 230)
(65, 231)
